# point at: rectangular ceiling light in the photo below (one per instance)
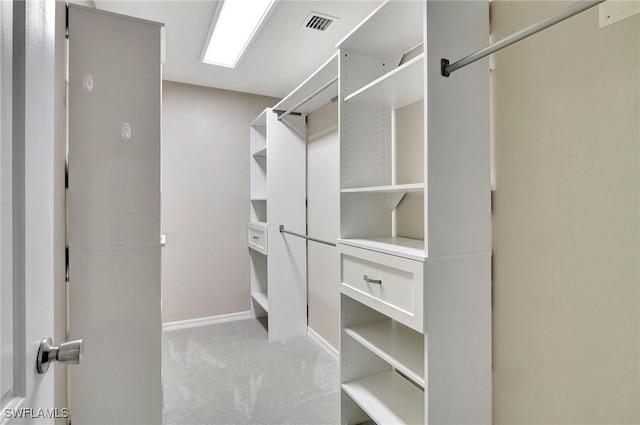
(236, 25)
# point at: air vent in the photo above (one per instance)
(318, 21)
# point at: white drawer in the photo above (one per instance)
(258, 236)
(392, 285)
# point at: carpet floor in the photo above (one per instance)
(229, 373)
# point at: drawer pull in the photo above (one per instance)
(368, 280)
(255, 237)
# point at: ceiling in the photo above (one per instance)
(280, 57)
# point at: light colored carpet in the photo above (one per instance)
(230, 373)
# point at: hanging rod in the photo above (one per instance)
(446, 68)
(309, 238)
(308, 98)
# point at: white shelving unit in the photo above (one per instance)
(278, 261)
(415, 262)
(278, 196)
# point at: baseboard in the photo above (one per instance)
(203, 321)
(324, 344)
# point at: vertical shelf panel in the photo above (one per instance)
(458, 283)
(286, 205)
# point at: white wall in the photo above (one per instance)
(566, 219)
(323, 221)
(205, 200)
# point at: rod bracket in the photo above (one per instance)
(281, 228)
(444, 63)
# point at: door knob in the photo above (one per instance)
(69, 352)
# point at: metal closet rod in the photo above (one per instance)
(446, 69)
(308, 98)
(309, 238)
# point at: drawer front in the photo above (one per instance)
(389, 284)
(258, 237)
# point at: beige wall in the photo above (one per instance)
(205, 200)
(566, 220)
(323, 221)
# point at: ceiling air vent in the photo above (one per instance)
(318, 21)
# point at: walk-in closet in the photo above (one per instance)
(320, 212)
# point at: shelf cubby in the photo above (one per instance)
(261, 299)
(400, 346)
(388, 398)
(369, 38)
(395, 89)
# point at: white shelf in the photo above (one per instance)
(396, 188)
(396, 344)
(388, 398)
(261, 120)
(400, 87)
(369, 36)
(412, 249)
(257, 198)
(262, 300)
(319, 78)
(260, 152)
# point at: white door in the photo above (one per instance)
(115, 289)
(114, 217)
(31, 206)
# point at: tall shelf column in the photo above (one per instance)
(278, 197)
(415, 245)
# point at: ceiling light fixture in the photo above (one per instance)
(233, 28)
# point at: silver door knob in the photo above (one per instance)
(68, 353)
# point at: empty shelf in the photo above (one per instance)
(400, 87)
(320, 77)
(262, 300)
(412, 249)
(368, 37)
(394, 188)
(388, 398)
(258, 198)
(396, 344)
